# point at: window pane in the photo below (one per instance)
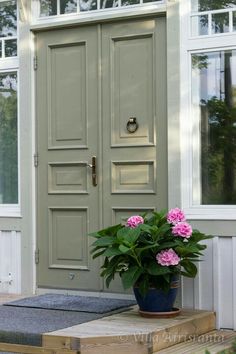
(109, 3)
(234, 21)
(199, 25)
(87, 5)
(8, 139)
(11, 48)
(130, 2)
(8, 19)
(207, 5)
(48, 7)
(68, 6)
(220, 23)
(214, 102)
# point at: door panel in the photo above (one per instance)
(66, 64)
(68, 209)
(134, 85)
(131, 68)
(85, 103)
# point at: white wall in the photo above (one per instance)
(10, 262)
(215, 286)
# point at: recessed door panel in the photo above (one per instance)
(67, 82)
(67, 178)
(132, 94)
(68, 241)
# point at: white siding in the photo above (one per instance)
(215, 286)
(10, 262)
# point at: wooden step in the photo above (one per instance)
(214, 342)
(128, 332)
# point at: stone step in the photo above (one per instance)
(214, 341)
(128, 332)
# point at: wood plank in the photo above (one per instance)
(129, 332)
(27, 349)
(214, 341)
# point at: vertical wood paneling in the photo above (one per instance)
(215, 286)
(234, 283)
(226, 282)
(205, 291)
(10, 262)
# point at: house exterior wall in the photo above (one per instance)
(16, 232)
(215, 286)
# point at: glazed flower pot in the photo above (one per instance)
(157, 303)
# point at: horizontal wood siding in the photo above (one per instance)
(215, 286)
(10, 262)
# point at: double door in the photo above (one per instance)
(101, 140)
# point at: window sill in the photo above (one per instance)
(10, 211)
(210, 212)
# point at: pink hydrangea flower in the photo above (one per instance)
(175, 215)
(134, 221)
(182, 229)
(167, 258)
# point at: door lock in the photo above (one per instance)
(93, 166)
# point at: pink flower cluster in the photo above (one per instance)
(177, 218)
(175, 215)
(182, 229)
(134, 221)
(167, 258)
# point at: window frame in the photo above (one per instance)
(190, 137)
(36, 19)
(11, 64)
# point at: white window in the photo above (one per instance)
(49, 8)
(214, 108)
(9, 190)
(212, 17)
(8, 29)
(208, 110)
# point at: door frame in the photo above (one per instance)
(171, 105)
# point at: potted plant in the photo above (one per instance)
(149, 253)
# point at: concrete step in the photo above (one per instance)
(214, 341)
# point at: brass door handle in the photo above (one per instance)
(93, 166)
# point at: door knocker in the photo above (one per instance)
(132, 125)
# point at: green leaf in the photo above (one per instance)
(138, 251)
(156, 269)
(185, 251)
(189, 267)
(130, 277)
(98, 254)
(166, 245)
(128, 234)
(104, 241)
(162, 230)
(124, 249)
(109, 279)
(112, 251)
(95, 234)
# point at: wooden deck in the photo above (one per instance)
(214, 342)
(129, 333)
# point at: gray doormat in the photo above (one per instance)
(20, 325)
(73, 303)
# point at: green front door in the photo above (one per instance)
(101, 109)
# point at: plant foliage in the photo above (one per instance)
(132, 252)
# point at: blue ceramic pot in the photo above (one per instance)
(156, 300)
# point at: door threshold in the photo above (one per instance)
(102, 294)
